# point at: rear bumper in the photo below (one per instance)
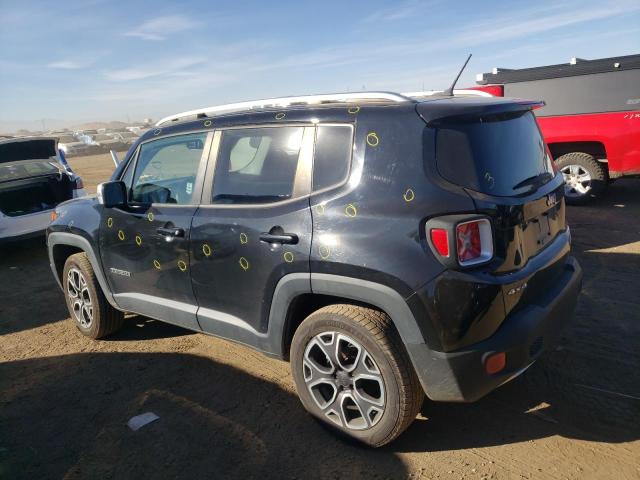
(24, 226)
(29, 225)
(460, 376)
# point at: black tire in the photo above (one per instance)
(598, 173)
(403, 394)
(105, 319)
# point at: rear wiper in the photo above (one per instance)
(534, 181)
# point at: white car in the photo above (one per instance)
(34, 179)
(70, 146)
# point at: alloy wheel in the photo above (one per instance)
(344, 381)
(577, 180)
(79, 297)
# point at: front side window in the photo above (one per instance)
(256, 165)
(127, 176)
(166, 169)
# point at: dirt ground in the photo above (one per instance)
(228, 412)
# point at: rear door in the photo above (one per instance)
(253, 228)
(145, 247)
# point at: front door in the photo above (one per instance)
(145, 246)
(253, 228)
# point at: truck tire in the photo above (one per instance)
(353, 373)
(585, 178)
(88, 307)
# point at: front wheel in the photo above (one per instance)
(88, 307)
(585, 178)
(352, 372)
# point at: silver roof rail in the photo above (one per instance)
(285, 102)
(428, 93)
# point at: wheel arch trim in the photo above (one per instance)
(381, 296)
(73, 240)
(375, 294)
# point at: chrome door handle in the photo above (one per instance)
(288, 238)
(171, 232)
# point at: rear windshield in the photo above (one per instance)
(25, 169)
(499, 155)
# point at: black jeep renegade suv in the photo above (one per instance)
(385, 246)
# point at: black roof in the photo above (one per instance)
(581, 67)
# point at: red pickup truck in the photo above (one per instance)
(591, 120)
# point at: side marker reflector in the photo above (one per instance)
(495, 363)
(440, 240)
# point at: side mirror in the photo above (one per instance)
(112, 194)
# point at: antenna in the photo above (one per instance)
(449, 91)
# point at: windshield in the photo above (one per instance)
(501, 155)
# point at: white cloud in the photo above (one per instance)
(532, 22)
(65, 65)
(160, 27)
(400, 11)
(171, 66)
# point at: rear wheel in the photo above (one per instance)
(352, 373)
(88, 307)
(585, 178)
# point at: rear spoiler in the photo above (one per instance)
(435, 110)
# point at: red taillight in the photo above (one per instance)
(474, 242)
(440, 240)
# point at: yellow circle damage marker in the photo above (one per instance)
(372, 139)
(150, 216)
(353, 110)
(288, 257)
(409, 195)
(156, 264)
(157, 131)
(138, 240)
(182, 266)
(109, 222)
(121, 235)
(206, 249)
(324, 251)
(350, 210)
(244, 263)
(207, 123)
(243, 238)
(280, 115)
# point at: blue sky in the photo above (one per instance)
(70, 62)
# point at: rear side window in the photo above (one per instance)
(256, 165)
(332, 157)
(499, 155)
